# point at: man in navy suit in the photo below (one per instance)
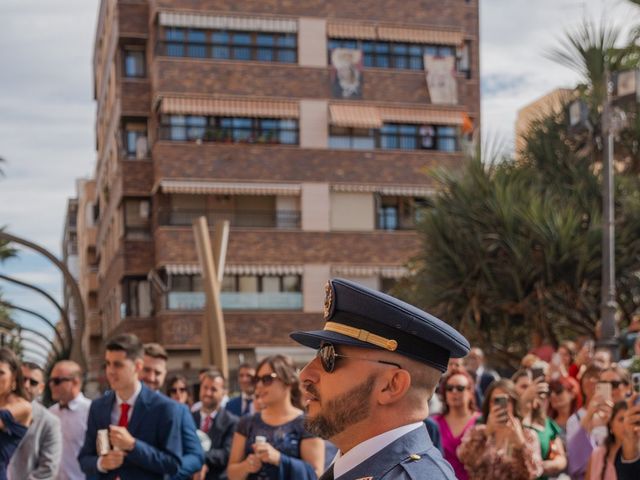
(144, 433)
(154, 373)
(367, 390)
(243, 403)
(474, 363)
(217, 423)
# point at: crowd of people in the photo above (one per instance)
(568, 412)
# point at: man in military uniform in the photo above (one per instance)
(379, 361)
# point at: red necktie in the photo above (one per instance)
(124, 415)
(207, 424)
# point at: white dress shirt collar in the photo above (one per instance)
(367, 449)
(132, 399)
(79, 400)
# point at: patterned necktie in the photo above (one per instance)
(207, 424)
(124, 415)
(328, 475)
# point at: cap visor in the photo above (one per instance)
(315, 339)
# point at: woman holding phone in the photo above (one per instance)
(501, 447)
(273, 444)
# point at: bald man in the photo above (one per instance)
(72, 409)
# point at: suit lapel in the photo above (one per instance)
(140, 409)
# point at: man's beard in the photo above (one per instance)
(349, 408)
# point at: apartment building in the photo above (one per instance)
(311, 126)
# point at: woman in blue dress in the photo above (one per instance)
(273, 444)
(15, 409)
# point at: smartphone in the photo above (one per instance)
(635, 382)
(537, 372)
(603, 389)
(501, 401)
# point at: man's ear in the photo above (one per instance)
(139, 364)
(395, 383)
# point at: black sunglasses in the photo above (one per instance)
(175, 390)
(265, 379)
(327, 355)
(58, 380)
(614, 383)
(458, 388)
(32, 381)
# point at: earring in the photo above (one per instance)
(13, 387)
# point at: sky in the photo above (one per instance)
(47, 110)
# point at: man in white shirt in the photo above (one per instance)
(72, 409)
(143, 427)
(379, 360)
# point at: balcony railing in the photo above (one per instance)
(236, 218)
(237, 301)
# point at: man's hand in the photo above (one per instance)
(111, 460)
(121, 438)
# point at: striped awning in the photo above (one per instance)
(194, 269)
(419, 35)
(369, 271)
(351, 30)
(218, 22)
(357, 116)
(228, 188)
(394, 190)
(417, 115)
(231, 107)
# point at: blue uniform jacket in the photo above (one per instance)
(411, 457)
(155, 424)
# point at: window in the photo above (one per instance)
(134, 62)
(136, 296)
(230, 45)
(352, 138)
(229, 129)
(135, 139)
(443, 138)
(405, 56)
(262, 283)
(136, 218)
(399, 213)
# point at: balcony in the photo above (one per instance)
(285, 219)
(237, 301)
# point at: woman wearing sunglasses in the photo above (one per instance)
(273, 444)
(15, 409)
(178, 390)
(459, 415)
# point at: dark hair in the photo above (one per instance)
(212, 375)
(591, 371)
(179, 378)
(246, 365)
(11, 359)
(206, 369)
(611, 439)
(510, 389)
(283, 367)
(155, 350)
(570, 347)
(127, 343)
(443, 389)
(32, 366)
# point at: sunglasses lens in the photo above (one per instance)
(327, 357)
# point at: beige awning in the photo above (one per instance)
(416, 115)
(395, 190)
(231, 107)
(369, 271)
(218, 22)
(418, 35)
(228, 188)
(355, 116)
(194, 269)
(351, 30)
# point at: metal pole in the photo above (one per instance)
(608, 305)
